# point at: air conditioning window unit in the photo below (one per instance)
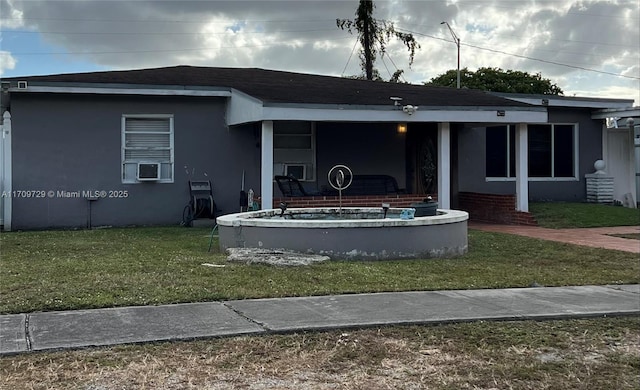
(299, 171)
(148, 171)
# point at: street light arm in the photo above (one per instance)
(453, 34)
(457, 42)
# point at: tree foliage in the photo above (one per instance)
(498, 80)
(374, 35)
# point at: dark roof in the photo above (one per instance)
(287, 87)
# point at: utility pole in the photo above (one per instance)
(456, 40)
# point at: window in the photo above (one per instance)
(294, 150)
(147, 147)
(552, 151)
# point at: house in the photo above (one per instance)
(120, 147)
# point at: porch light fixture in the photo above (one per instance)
(402, 128)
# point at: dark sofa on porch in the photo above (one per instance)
(364, 191)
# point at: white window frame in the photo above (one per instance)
(576, 148)
(124, 162)
(310, 175)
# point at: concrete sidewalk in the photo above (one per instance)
(85, 328)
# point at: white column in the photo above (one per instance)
(444, 165)
(6, 171)
(266, 170)
(522, 168)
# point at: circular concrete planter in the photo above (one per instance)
(364, 236)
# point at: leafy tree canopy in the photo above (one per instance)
(498, 80)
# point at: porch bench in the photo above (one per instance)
(373, 185)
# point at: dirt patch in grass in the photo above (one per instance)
(573, 354)
(630, 236)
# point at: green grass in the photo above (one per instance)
(560, 215)
(60, 270)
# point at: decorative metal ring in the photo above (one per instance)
(337, 181)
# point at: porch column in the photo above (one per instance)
(5, 175)
(266, 163)
(522, 168)
(444, 165)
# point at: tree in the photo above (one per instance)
(498, 80)
(374, 35)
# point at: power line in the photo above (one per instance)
(526, 57)
(154, 51)
(351, 54)
(552, 6)
(553, 62)
(394, 65)
(529, 36)
(157, 33)
(198, 21)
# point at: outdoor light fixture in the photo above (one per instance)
(402, 128)
(456, 40)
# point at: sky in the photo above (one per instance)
(588, 48)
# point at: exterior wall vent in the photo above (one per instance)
(22, 85)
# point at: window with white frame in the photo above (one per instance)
(147, 148)
(552, 151)
(294, 150)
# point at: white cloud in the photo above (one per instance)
(6, 61)
(302, 35)
(11, 17)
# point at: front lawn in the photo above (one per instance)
(561, 215)
(60, 270)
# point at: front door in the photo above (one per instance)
(422, 158)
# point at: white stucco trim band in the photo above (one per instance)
(253, 113)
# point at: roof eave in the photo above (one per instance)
(121, 89)
(566, 101)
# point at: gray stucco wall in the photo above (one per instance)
(73, 143)
(472, 155)
(366, 148)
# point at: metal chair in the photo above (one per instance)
(291, 187)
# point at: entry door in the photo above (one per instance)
(422, 158)
(620, 162)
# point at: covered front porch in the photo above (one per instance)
(422, 157)
(411, 133)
